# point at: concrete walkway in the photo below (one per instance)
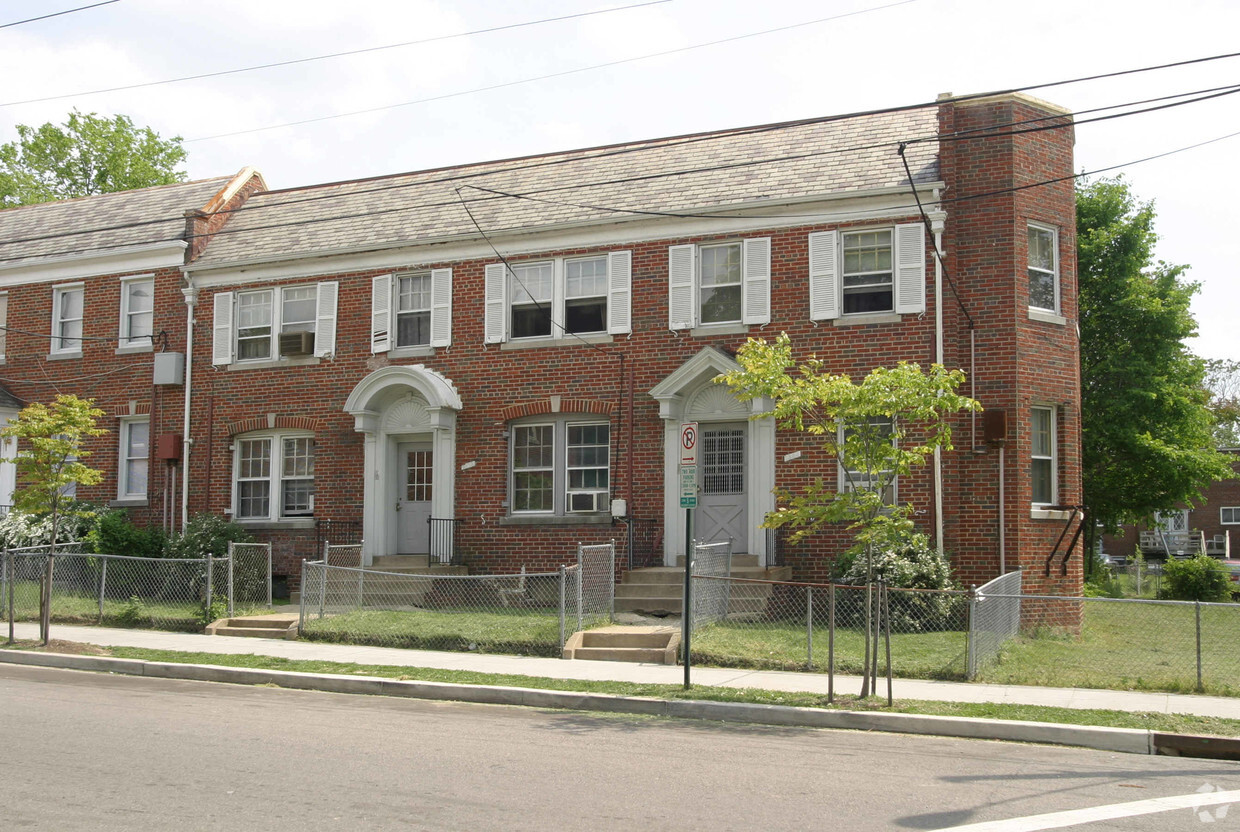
(642, 673)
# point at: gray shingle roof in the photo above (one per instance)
(9, 401)
(99, 223)
(708, 170)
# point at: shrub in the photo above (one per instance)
(911, 563)
(1197, 579)
(207, 534)
(115, 534)
(77, 520)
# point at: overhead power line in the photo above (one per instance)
(57, 14)
(329, 56)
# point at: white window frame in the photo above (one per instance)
(385, 311)
(58, 322)
(426, 309)
(848, 477)
(4, 323)
(275, 478)
(908, 273)
(562, 490)
(1229, 515)
(128, 340)
(1051, 458)
(124, 487)
(504, 287)
(685, 290)
(1052, 273)
(226, 333)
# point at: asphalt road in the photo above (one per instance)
(90, 751)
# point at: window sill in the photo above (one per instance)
(277, 525)
(134, 349)
(128, 502)
(867, 319)
(1047, 317)
(565, 341)
(270, 365)
(707, 330)
(1047, 514)
(61, 356)
(411, 352)
(556, 519)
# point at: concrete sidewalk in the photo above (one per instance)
(643, 673)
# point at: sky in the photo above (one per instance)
(827, 57)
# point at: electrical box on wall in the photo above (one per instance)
(170, 368)
(168, 446)
(994, 426)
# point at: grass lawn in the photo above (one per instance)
(520, 632)
(1129, 647)
(133, 613)
(1171, 723)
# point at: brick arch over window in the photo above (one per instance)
(541, 406)
(269, 422)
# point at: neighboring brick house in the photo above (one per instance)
(90, 289)
(1214, 522)
(514, 344)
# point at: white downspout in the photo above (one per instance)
(191, 301)
(937, 227)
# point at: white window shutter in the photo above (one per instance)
(222, 329)
(910, 276)
(441, 307)
(824, 280)
(495, 306)
(681, 279)
(381, 313)
(619, 292)
(756, 265)
(325, 318)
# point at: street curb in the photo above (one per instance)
(1122, 740)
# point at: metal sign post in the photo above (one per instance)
(688, 501)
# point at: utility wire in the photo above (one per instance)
(548, 76)
(295, 61)
(57, 14)
(1059, 122)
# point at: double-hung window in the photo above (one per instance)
(1229, 515)
(719, 284)
(411, 310)
(273, 477)
(864, 450)
(563, 297)
(1042, 451)
(135, 451)
(68, 310)
(560, 466)
(868, 271)
(1043, 268)
(137, 311)
(278, 322)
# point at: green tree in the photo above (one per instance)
(1223, 385)
(86, 155)
(49, 452)
(877, 430)
(1147, 432)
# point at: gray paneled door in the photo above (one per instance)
(413, 503)
(723, 504)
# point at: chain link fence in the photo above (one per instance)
(528, 613)
(778, 625)
(994, 618)
(597, 567)
(712, 562)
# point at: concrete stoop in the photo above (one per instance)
(280, 625)
(659, 590)
(651, 645)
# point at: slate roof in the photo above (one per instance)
(9, 401)
(701, 171)
(94, 224)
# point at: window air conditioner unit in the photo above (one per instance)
(587, 501)
(294, 344)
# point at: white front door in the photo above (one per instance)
(723, 503)
(413, 502)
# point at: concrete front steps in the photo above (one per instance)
(658, 590)
(277, 625)
(651, 645)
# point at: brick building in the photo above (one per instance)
(513, 345)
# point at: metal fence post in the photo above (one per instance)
(8, 560)
(580, 596)
(886, 596)
(323, 584)
(970, 662)
(563, 578)
(809, 627)
(231, 607)
(1197, 610)
(210, 587)
(301, 601)
(103, 582)
(269, 575)
(830, 643)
